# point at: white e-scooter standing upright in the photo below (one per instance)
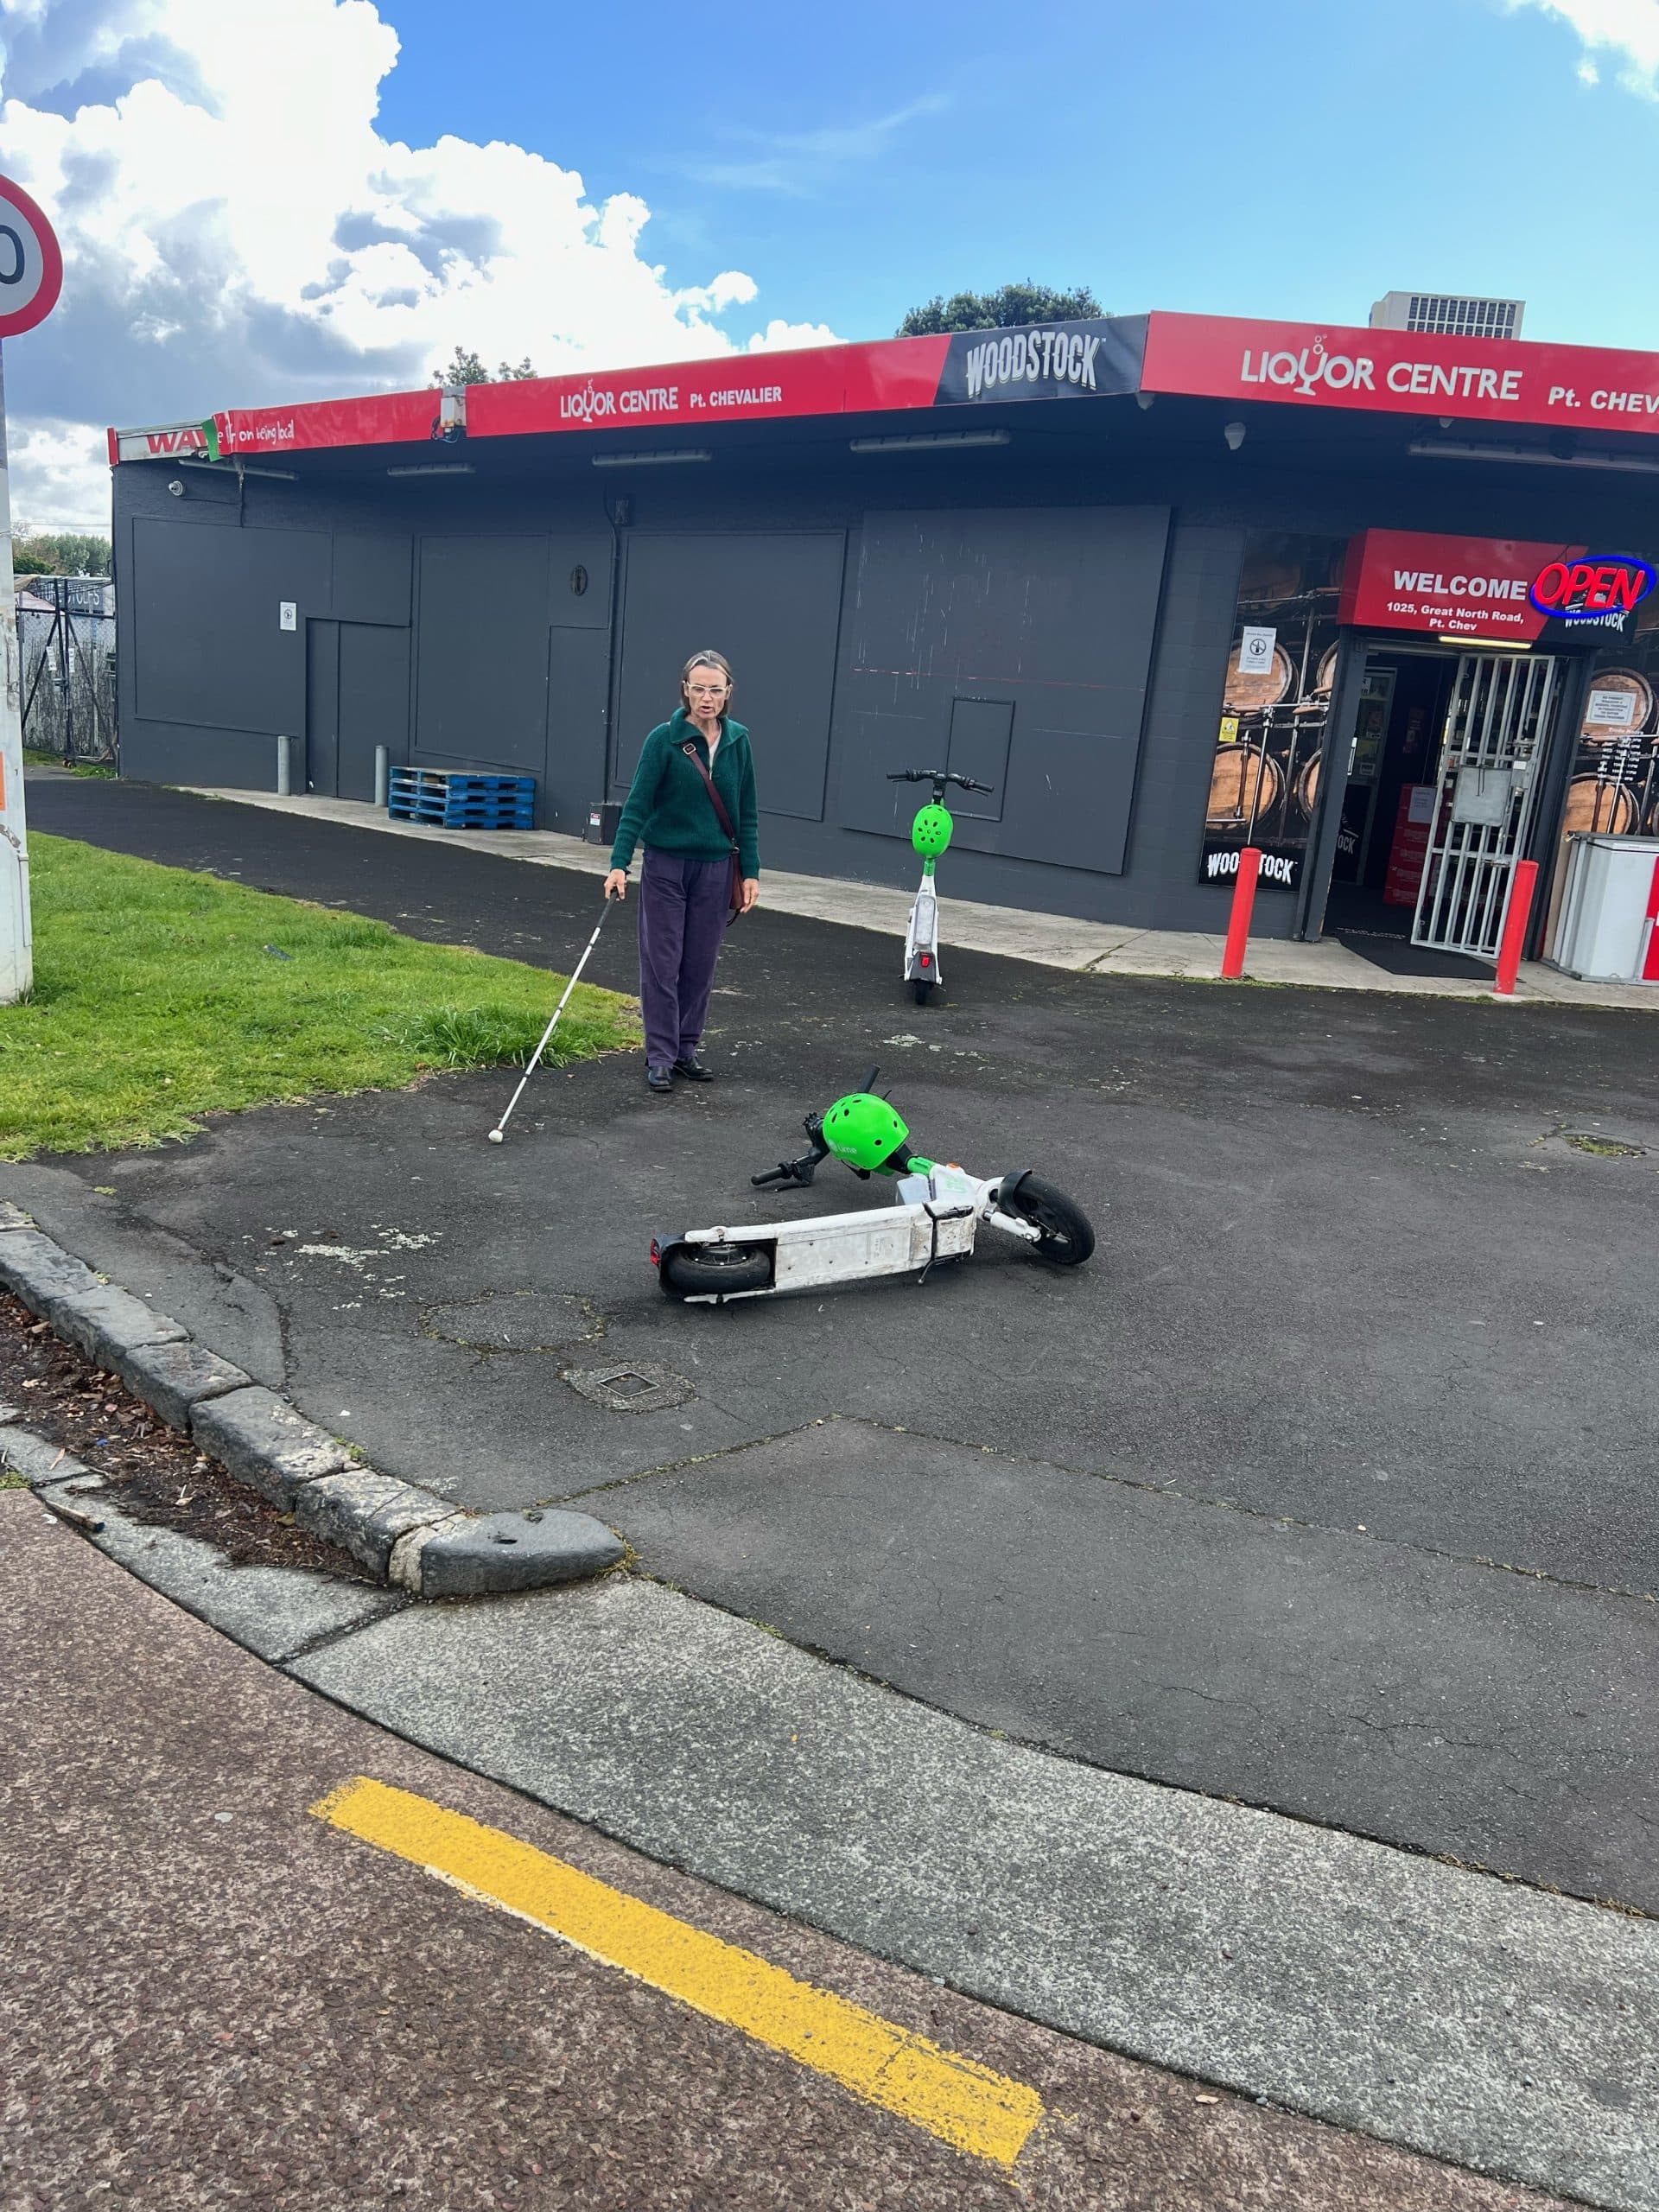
(929, 833)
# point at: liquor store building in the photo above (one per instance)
(1377, 603)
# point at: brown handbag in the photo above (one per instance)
(691, 754)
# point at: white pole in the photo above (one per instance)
(16, 937)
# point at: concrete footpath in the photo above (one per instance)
(264, 2013)
(212, 1997)
(1045, 940)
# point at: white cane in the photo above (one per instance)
(498, 1134)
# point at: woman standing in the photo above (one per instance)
(692, 806)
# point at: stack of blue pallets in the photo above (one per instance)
(449, 799)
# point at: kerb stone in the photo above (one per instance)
(260, 1437)
(37, 1459)
(365, 1512)
(38, 1270)
(477, 1555)
(174, 1377)
(105, 1322)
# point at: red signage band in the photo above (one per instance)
(1477, 587)
(1088, 359)
(1401, 372)
(899, 373)
(385, 418)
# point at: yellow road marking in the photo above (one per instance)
(964, 2104)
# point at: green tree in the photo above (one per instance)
(59, 553)
(1001, 310)
(464, 368)
(467, 367)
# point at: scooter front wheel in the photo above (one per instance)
(1066, 1236)
(717, 1270)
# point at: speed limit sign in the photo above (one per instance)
(31, 267)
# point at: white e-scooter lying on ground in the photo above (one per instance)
(929, 833)
(939, 1210)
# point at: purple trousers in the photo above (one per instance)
(682, 908)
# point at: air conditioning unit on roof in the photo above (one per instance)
(1452, 314)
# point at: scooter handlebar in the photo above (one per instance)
(936, 776)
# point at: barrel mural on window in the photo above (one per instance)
(1276, 698)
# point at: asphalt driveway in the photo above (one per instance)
(1328, 1485)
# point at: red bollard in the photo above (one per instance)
(1514, 927)
(1650, 966)
(1238, 929)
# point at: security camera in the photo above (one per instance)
(1234, 433)
(176, 486)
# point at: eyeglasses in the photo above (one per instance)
(707, 690)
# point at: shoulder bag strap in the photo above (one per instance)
(691, 754)
(725, 820)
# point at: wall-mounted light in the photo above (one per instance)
(1234, 433)
(176, 487)
(435, 468)
(651, 460)
(931, 441)
(1489, 644)
(1446, 449)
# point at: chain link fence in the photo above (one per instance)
(66, 629)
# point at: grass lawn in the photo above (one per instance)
(161, 995)
(32, 758)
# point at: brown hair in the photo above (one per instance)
(708, 660)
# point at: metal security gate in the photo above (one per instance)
(1492, 761)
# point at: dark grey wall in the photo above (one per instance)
(1058, 627)
(770, 602)
(1012, 645)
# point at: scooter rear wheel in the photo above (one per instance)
(1066, 1236)
(702, 1270)
(921, 990)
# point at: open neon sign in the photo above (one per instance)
(1592, 586)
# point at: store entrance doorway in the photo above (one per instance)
(1492, 752)
(1445, 767)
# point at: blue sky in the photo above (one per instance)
(262, 201)
(1293, 158)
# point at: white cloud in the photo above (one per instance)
(804, 162)
(1625, 31)
(59, 476)
(237, 231)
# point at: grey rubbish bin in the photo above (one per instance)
(1602, 932)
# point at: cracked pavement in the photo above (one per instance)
(1327, 1485)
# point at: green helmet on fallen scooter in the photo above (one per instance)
(929, 832)
(864, 1130)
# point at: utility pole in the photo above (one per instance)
(31, 277)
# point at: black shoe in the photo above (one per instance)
(659, 1079)
(692, 1069)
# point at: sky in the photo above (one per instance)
(270, 201)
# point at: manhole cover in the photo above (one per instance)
(505, 1320)
(632, 1387)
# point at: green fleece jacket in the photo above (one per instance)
(669, 804)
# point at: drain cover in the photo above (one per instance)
(636, 1386)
